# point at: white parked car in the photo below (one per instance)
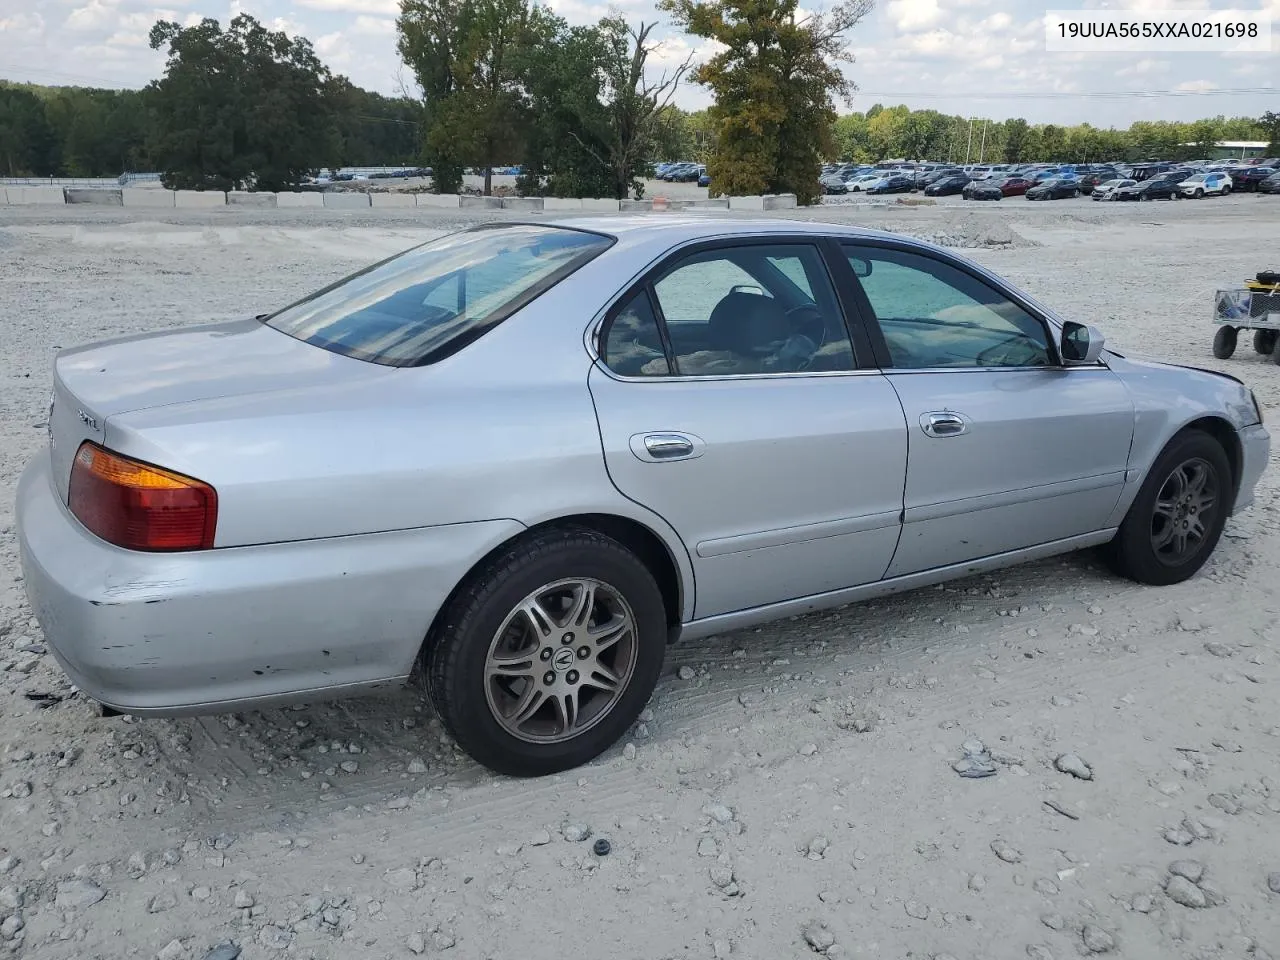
(862, 182)
(1107, 191)
(1205, 184)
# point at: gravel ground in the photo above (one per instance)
(791, 789)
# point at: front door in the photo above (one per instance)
(729, 403)
(1007, 448)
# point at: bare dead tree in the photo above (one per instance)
(636, 105)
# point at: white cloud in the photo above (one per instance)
(1144, 68)
(385, 7)
(374, 26)
(1196, 86)
(914, 14)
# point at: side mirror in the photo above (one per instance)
(1081, 345)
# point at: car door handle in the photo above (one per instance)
(943, 423)
(659, 447)
(667, 446)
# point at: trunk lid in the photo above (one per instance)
(97, 381)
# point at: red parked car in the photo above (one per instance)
(1016, 186)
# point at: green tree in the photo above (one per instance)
(1270, 124)
(240, 107)
(27, 142)
(773, 81)
(1015, 140)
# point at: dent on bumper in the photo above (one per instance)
(190, 632)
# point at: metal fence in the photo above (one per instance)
(124, 180)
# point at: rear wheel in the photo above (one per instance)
(1264, 342)
(1224, 342)
(1226, 190)
(549, 653)
(1178, 515)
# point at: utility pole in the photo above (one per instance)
(982, 150)
(969, 145)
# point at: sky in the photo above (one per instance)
(980, 58)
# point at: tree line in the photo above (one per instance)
(882, 133)
(585, 110)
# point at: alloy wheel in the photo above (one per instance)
(561, 660)
(1184, 512)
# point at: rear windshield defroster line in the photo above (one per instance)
(429, 302)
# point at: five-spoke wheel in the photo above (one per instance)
(1177, 516)
(548, 652)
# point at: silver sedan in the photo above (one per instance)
(522, 459)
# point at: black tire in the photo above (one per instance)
(1226, 191)
(1224, 342)
(1146, 196)
(1132, 553)
(1264, 342)
(456, 653)
(1199, 194)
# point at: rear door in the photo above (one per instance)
(1008, 448)
(730, 402)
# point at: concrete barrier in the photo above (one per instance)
(199, 199)
(29, 196)
(247, 198)
(346, 201)
(781, 201)
(95, 196)
(299, 199)
(449, 201)
(526, 204)
(392, 200)
(721, 203)
(746, 203)
(559, 204)
(483, 203)
(600, 204)
(635, 206)
(141, 197)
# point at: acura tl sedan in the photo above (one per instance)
(520, 460)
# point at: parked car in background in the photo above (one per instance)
(245, 514)
(1271, 184)
(1052, 189)
(704, 179)
(1248, 179)
(897, 183)
(833, 185)
(947, 186)
(1106, 191)
(862, 181)
(1093, 178)
(982, 190)
(1162, 186)
(1202, 185)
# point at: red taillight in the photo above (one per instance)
(138, 506)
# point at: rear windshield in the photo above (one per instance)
(429, 302)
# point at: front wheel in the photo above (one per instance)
(548, 653)
(1177, 517)
(1199, 194)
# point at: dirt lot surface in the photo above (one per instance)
(791, 789)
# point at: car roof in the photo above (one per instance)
(637, 229)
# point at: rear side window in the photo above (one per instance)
(429, 302)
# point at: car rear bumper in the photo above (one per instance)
(215, 630)
(1255, 449)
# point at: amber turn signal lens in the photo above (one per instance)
(138, 506)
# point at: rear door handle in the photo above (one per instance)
(659, 447)
(943, 423)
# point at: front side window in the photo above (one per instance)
(434, 299)
(935, 315)
(753, 309)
